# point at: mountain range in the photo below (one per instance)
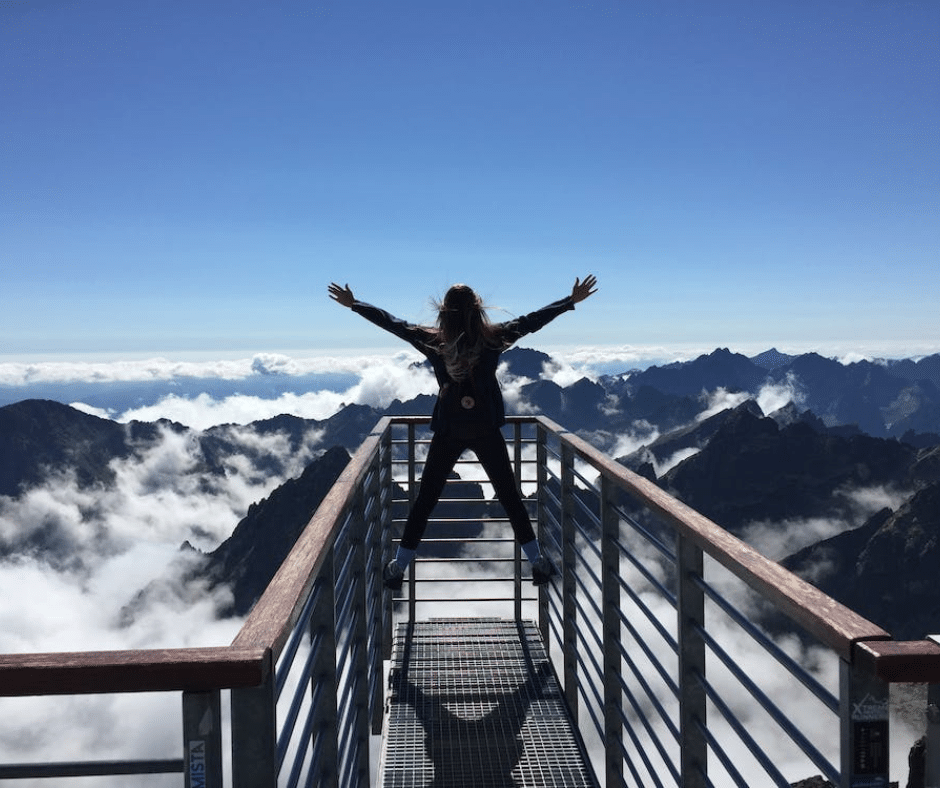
(697, 428)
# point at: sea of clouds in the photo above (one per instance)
(112, 542)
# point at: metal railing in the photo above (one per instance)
(657, 624)
(671, 638)
(303, 675)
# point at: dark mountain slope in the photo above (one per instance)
(248, 559)
(719, 369)
(887, 569)
(37, 436)
(752, 469)
(693, 436)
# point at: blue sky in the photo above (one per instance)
(186, 178)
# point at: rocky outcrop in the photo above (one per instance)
(885, 570)
(248, 559)
(752, 469)
(39, 436)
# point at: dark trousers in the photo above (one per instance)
(490, 448)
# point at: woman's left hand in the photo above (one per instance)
(582, 290)
(342, 295)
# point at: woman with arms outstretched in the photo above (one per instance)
(463, 349)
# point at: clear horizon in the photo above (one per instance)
(241, 389)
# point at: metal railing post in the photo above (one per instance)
(569, 604)
(323, 675)
(360, 637)
(932, 759)
(412, 494)
(386, 487)
(541, 452)
(863, 714)
(516, 551)
(373, 592)
(692, 700)
(254, 735)
(202, 739)
(610, 594)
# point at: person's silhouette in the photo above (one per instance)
(464, 350)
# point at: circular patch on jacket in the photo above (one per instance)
(468, 403)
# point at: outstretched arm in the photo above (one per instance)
(527, 324)
(341, 295)
(582, 290)
(417, 336)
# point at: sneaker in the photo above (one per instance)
(393, 575)
(542, 571)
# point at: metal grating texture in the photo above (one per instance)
(475, 703)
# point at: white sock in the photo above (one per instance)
(532, 551)
(404, 556)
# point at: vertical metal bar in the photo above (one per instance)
(610, 594)
(372, 594)
(202, 739)
(692, 700)
(254, 735)
(386, 491)
(932, 760)
(323, 675)
(541, 452)
(517, 553)
(412, 493)
(569, 604)
(360, 636)
(863, 714)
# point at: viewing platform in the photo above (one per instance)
(646, 662)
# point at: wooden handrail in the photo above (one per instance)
(831, 622)
(151, 670)
(271, 620)
(901, 662)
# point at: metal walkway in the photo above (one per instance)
(475, 703)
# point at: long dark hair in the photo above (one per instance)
(463, 330)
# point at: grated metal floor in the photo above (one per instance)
(475, 703)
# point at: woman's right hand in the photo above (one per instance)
(582, 290)
(342, 295)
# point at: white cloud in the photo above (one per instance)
(564, 373)
(868, 500)
(203, 411)
(614, 359)
(121, 536)
(642, 434)
(577, 361)
(666, 465)
(722, 399)
(15, 373)
(110, 542)
(777, 540)
(774, 396)
(511, 386)
(770, 397)
(380, 382)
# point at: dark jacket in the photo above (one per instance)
(482, 386)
